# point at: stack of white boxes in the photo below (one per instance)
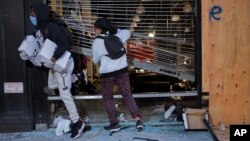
(47, 52)
(43, 55)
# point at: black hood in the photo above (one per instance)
(106, 25)
(42, 12)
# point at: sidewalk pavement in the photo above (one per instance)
(153, 132)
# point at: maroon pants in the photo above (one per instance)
(122, 81)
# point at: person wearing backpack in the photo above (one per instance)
(46, 29)
(113, 70)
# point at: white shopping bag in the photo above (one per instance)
(47, 52)
(63, 63)
(29, 50)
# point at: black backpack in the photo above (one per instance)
(64, 27)
(114, 46)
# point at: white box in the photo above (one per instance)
(36, 61)
(30, 47)
(63, 63)
(47, 52)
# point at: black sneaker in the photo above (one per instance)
(113, 127)
(76, 129)
(139, 125)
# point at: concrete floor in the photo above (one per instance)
(156, 127)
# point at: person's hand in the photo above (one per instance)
(53, 60)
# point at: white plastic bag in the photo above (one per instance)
(63, 125)
(169, 112)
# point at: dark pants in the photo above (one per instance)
(122, 81)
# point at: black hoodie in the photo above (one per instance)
(50, 30)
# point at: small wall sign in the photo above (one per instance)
(13, 87)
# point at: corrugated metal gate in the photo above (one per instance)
(163, 30)
(163, 34)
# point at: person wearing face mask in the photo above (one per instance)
(113, 71)
(46, 29)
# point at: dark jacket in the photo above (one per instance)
(50, 30)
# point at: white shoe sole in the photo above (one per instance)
(114, 130)
(139, 128)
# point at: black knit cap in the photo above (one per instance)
(106, 25)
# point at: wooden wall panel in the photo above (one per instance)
(225, 60)
(205, 42)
